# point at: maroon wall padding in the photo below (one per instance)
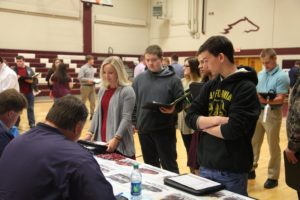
(87, 28)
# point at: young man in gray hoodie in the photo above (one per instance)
(156, 127)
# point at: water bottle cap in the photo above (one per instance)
(135, 166)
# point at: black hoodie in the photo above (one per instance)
(163, 87)
(234, 97)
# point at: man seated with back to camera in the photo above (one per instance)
(47, 163)
(12, 104)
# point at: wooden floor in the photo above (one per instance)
(255, 187)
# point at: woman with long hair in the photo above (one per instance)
(55, 63)
(111, 122)
(61, 82)
(206, 75)
(191, 75)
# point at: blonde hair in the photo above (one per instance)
(118, 65)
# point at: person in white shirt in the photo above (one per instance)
(8, 78)
(139, 68)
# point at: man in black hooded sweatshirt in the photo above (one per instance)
(226, 111)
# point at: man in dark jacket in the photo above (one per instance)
(46, 162)
(226, 111)
(11, 105)
(26, 82)
(157, 132)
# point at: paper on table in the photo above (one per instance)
(194, 182)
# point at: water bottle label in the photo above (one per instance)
(136, 189)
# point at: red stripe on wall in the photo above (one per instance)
(87, 28)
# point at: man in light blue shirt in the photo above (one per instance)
(272, 87)
(177, 67)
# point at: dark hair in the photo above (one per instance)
(216, 45)
(193, 65)
(53, 63)
(141, 58)
(66, 112)
(174, 57)
(89, 57)
(154, 49)
(60, 75)
(1, 60)
(20, 58)
(11, 99)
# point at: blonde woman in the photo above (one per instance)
(111, 122)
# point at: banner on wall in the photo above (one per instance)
(99, 2)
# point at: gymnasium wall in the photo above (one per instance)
(123, 27)
(128, 27)
(277, 21)
(56, 25)
(41, 25)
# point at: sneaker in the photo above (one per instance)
(251, 175)
(91, 117)
(270, 183)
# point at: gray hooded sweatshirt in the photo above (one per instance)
(163, 87)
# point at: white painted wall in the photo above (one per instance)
(41, 25)
(277, 20)
(129, 28)
(124, 27)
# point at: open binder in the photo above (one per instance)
(156, 105)
(193, 184)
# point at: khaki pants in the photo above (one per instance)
(272, 129)
(88, 92)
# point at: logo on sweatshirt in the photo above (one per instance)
(217, 101)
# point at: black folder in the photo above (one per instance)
(93, 147)
(156, 105)
(292, 172)
(195, 89)
(180, 185)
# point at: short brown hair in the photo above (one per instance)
(66, 112)
(154, 49)
(89, 57)
(12, 100)
(20, 58)
(271, 53)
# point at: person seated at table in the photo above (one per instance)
(11, 105)
(47, 163)
(111, 122)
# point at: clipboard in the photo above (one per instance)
(95, 147)
(156, 105)
(193, 184)
(292, 175)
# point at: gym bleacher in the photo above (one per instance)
(41, 62)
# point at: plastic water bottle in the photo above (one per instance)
(136, 183)
(266, 110)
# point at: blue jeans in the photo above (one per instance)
(234, 182)
(30, 108)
